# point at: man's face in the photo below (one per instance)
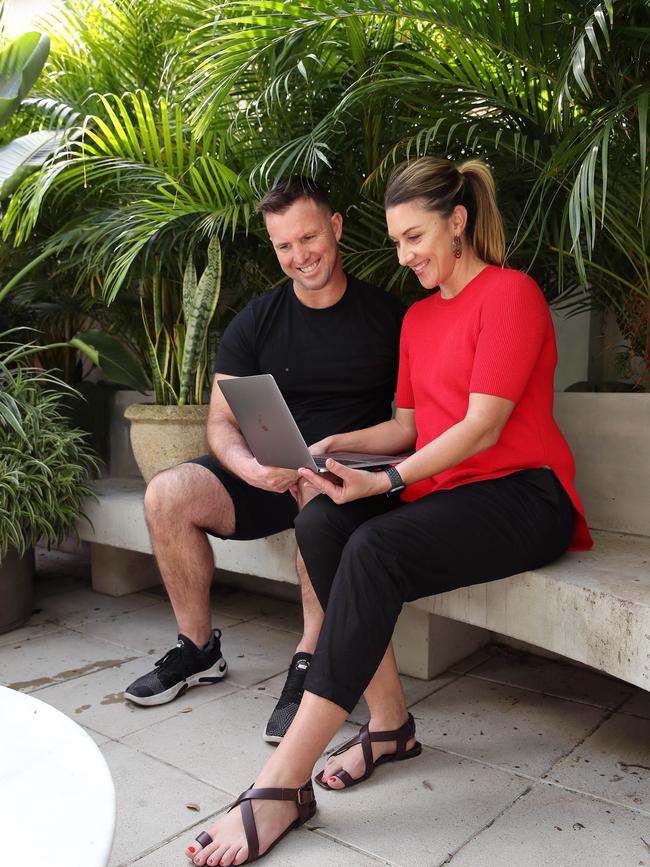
(305, 239)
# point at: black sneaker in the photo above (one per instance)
(287, 706)
(180, 668)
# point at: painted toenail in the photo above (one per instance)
(191, 849)
(331, 780)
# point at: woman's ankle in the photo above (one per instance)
(280, 776)
(388, 719)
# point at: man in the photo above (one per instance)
(331, 342)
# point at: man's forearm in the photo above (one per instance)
(227, 444)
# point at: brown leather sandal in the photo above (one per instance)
(303, 797)
(366, 739)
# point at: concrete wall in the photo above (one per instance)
(573, 343)
(609, 435)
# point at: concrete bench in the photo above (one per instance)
(593, 607)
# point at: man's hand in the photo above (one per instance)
(274, 479)
(355, 484)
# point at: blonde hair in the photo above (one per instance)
(440, 185)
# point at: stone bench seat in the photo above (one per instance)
(592, 607)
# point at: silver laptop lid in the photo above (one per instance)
(266, 421)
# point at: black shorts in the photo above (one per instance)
(258, 513)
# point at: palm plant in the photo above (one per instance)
(144, 186)
(20, 65)
(223, 100)
(132, 192)
(150, 193)
(552, 94)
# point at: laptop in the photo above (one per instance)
(272, 434)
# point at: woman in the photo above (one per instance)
(487, 493)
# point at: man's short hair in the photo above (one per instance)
(287, 191)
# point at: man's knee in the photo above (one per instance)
(186, 491)
(162, 493)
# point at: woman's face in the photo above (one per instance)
(423, 240)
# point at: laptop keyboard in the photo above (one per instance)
(319, 460)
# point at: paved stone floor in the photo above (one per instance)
(526, 761)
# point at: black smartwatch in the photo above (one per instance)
(396, 483)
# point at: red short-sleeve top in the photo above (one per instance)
(495, 337)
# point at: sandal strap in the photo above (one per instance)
(366, 738)
(346, 778)
(400, 735)
(250, 829)
(302, 797)
(353, 741)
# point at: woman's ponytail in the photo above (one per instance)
(487, 237)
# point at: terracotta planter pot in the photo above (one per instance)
(16, 589)
(163, 436)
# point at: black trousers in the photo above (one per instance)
(367, 558)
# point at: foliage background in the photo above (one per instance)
(178, 113)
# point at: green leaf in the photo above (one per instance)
(25, 155)
(189, 287)
(115, 359)
(204, 305)
(89, 351)
(20, 65)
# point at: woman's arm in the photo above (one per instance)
(479, 430)
(388, 438)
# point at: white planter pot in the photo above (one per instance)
(163, 436)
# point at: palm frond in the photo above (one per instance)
(148, 151)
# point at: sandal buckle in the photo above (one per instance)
(302, 793)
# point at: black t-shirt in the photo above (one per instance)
(336, 367)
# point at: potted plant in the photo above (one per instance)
(179, 345)
(44, 467)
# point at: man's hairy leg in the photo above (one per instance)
(311, 609)
(179, 502)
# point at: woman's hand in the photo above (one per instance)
(322, 447)
(354, 484)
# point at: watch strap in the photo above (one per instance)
(396, 481)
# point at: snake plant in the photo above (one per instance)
(179, 340)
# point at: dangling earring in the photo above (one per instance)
(457, 247)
